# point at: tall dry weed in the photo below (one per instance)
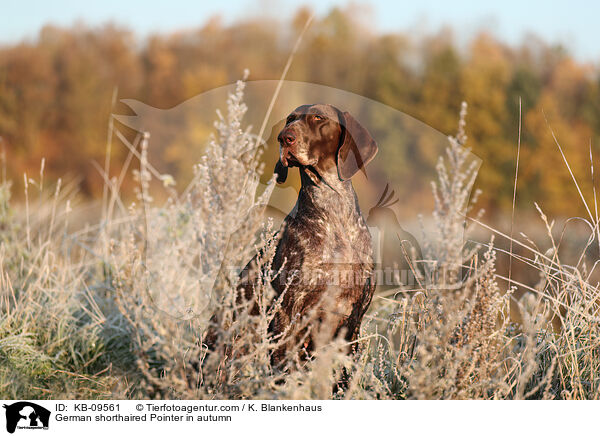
(120, 308)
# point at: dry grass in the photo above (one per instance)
(120, 309)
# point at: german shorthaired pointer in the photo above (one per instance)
(325, 252)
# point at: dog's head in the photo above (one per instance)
(322, 140)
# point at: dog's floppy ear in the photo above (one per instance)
(280, 169)
(281, 172)
(357, 149)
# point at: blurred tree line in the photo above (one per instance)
(56, 92)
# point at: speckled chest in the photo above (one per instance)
(324, 238)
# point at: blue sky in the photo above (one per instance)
(573, 23)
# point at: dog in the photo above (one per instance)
(324, 255)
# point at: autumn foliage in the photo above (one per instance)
(56, 92)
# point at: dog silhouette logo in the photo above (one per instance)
(395, 249)
(26, 415)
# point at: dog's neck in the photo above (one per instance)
(328, 194)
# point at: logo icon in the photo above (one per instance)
(26, 415)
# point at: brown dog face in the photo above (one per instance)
(321, 139)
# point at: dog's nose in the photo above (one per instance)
(287, 138)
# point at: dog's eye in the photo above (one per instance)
(318, 118)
